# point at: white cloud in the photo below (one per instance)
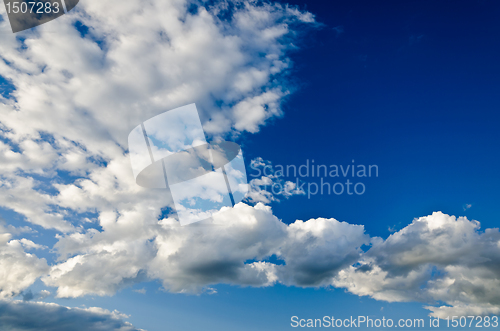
(316, 250)
(437, 258)
(459, 309)
(232, 249)
(64, 130)
(18, 268)
(102, 271)
(76, 98)
(21, 195)
(189, 258)
(141, 290)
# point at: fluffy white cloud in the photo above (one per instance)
(18, 268)
(437, 258)
(195, 256)
(233, 248)
(77, 95)
(26, 316)
(316, 250)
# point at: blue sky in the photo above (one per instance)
(411, 87)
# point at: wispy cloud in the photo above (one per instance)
(338, 30)
(141, 290)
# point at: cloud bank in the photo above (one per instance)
(435, 259)
(24, 316)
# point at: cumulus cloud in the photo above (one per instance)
(437, 258)
(233, 248)
(77, 93)
(18, 268)
(316, 250)
(195, 256)
(26, 316)
(82, 82)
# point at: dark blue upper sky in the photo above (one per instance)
(412, 86)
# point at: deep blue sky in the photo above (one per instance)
(412, 86)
